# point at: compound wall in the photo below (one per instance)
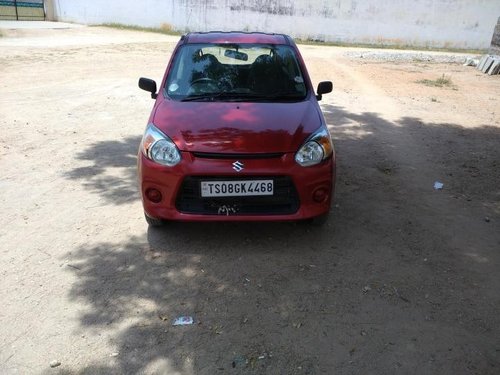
(423, 23)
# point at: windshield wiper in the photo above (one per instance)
(198, 97)
(274, 97)
(213, 96)
(242, 96)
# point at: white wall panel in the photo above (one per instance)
(434, 23)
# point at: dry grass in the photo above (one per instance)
(164, 28)
(403, 47)
(443, 81)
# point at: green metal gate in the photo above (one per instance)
(28, 10)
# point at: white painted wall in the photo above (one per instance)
(433, 23)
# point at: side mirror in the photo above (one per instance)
(324, 88)
(148, 85)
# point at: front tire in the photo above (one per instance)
(153, 222)
(317, 221)
(321, 220)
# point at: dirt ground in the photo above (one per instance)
(403, 279)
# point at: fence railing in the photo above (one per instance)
(27, 10)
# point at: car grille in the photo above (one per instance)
(213, 155)
(284, 201)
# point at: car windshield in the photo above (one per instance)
(235, 72)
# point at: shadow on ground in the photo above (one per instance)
(112, 171)
(403, 279)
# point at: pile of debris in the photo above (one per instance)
(489, 64)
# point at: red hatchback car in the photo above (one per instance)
(236, 134)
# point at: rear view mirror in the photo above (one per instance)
(148, 85)
(236, 55)
(324, 88)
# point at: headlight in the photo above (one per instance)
(317, 148)
(159, 148)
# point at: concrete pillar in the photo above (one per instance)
(495, 40)
(50, 10)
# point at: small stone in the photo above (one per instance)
(366, 288)
(487, 219)
(115, 354)
(55, 363)
(163, 317)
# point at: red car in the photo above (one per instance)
(236, 134)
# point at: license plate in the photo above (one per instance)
(236, 188)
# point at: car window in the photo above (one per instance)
(235, 72)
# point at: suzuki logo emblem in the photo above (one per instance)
(238, 166)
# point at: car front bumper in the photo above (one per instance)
(304, 185)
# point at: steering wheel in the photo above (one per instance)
(204, 84)
(205, 80)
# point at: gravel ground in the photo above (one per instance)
(403, 279)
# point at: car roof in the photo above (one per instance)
(236, 37)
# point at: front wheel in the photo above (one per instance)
(153, 222)
(317, 221)
(321, 220)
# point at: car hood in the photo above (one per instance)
(234, 127)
